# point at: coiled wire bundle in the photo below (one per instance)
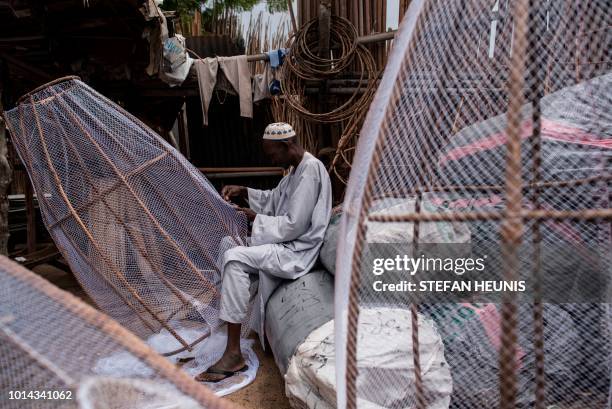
(307, 64)
(303, 64)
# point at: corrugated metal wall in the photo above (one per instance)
(229, 140)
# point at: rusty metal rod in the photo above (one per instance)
(585, 214)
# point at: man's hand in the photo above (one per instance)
(230, 191)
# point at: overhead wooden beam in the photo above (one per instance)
(191, 91)
(241, 172)
(21, 39)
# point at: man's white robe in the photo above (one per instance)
(288, 230)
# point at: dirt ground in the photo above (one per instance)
(266, 392)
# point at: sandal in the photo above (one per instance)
(213, 371)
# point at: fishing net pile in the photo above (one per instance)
(490, 135)
(142, 229)
(52, 345)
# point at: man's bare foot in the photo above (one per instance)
(228, 365)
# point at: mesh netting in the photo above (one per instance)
(52, 346)
(491, 128)
(141, 228)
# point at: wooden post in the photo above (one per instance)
(30, 216)
(301, 15)
(383, 29)
(324, 34)
(367, 19)
(292, 15)
(5, 167)
(403, 6)
(324, 28)
(5, 179)
(360, 28)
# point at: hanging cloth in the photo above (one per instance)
(206, 70)
(276, 57)
(236, 69)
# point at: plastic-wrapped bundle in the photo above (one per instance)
(141, 228)
(495, 116)
(52, 345)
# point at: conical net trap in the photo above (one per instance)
(54, 351)
(491, 136)
(141, 228)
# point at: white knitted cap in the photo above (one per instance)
(278, 131)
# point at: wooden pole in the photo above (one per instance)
(5, 179)
(292, 15)
(360, 19)
(30, 217)
(367, 16)
(342, 8)
(324, 29)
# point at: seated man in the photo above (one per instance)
(288, 226)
